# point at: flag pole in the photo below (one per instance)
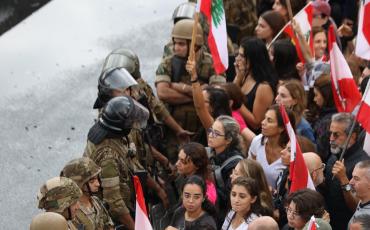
(194, 37)
(354, 121)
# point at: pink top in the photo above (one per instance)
(239, 118)
(211, 192)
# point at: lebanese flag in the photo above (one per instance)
(304, 19)
(141, 217)
(312, 224)
(217, 37)
(345, 92)
(363, 34)
(363, 117)
(299, 176)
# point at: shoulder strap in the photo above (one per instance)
(218, 171)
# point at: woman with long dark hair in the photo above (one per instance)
(256, 77)
(196, 211)
(266, 148)
(193, 160)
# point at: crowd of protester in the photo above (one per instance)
(212, 150)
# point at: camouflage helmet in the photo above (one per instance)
(81, 170)
(183, 29)
(184, 10)
(49, 220)
(123, 58)
(57, 194)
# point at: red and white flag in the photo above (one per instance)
(304, 19)
(363, 34)
(345, 92)
(363, 117)
(299, 175)
(312, 224)
(217, 37)
(141, 216)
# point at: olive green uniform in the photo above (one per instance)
(112, 155)
(94, 218)
(185, 114)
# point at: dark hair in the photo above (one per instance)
(219, 101)
(252, 187)
(283, 138)
(206, 204)
(256, 54)
(235, 94)
(274, 20)
(285, 59)
(296, 5)
(323, 85)
(307, 202)
(198, 155)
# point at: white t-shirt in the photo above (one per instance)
(272, 170)
(243, 226)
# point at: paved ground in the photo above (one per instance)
(49, 66)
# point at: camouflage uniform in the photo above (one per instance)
(95, 217)
(185, 114)
(241, 16)
(158, 113)
(112, 155)
(81, 171)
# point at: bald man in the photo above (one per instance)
(315, 167)
(263, 223)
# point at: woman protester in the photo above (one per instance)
(257, 79)
(193, 160)
(249, 168)
(196, 211)
(269, 25)
(302, 205)
(245, 204)
(266, 147)
(291, 94)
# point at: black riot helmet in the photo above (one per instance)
(123, 58)
(109, 80)
(119, 116)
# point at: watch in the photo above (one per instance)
(346, 187)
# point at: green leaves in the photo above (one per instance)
(217, 11)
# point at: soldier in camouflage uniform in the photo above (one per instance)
(108, 146)
(49, 220)
(92, 213)
(173, 81)
(60, 195)
(159, 115)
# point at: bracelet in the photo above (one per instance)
(194, 81)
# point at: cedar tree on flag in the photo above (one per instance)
(299, 176)
(141, 217)
(345, 92)
(217, 37)
(363, 117)
(304, 19)
(363, 34)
